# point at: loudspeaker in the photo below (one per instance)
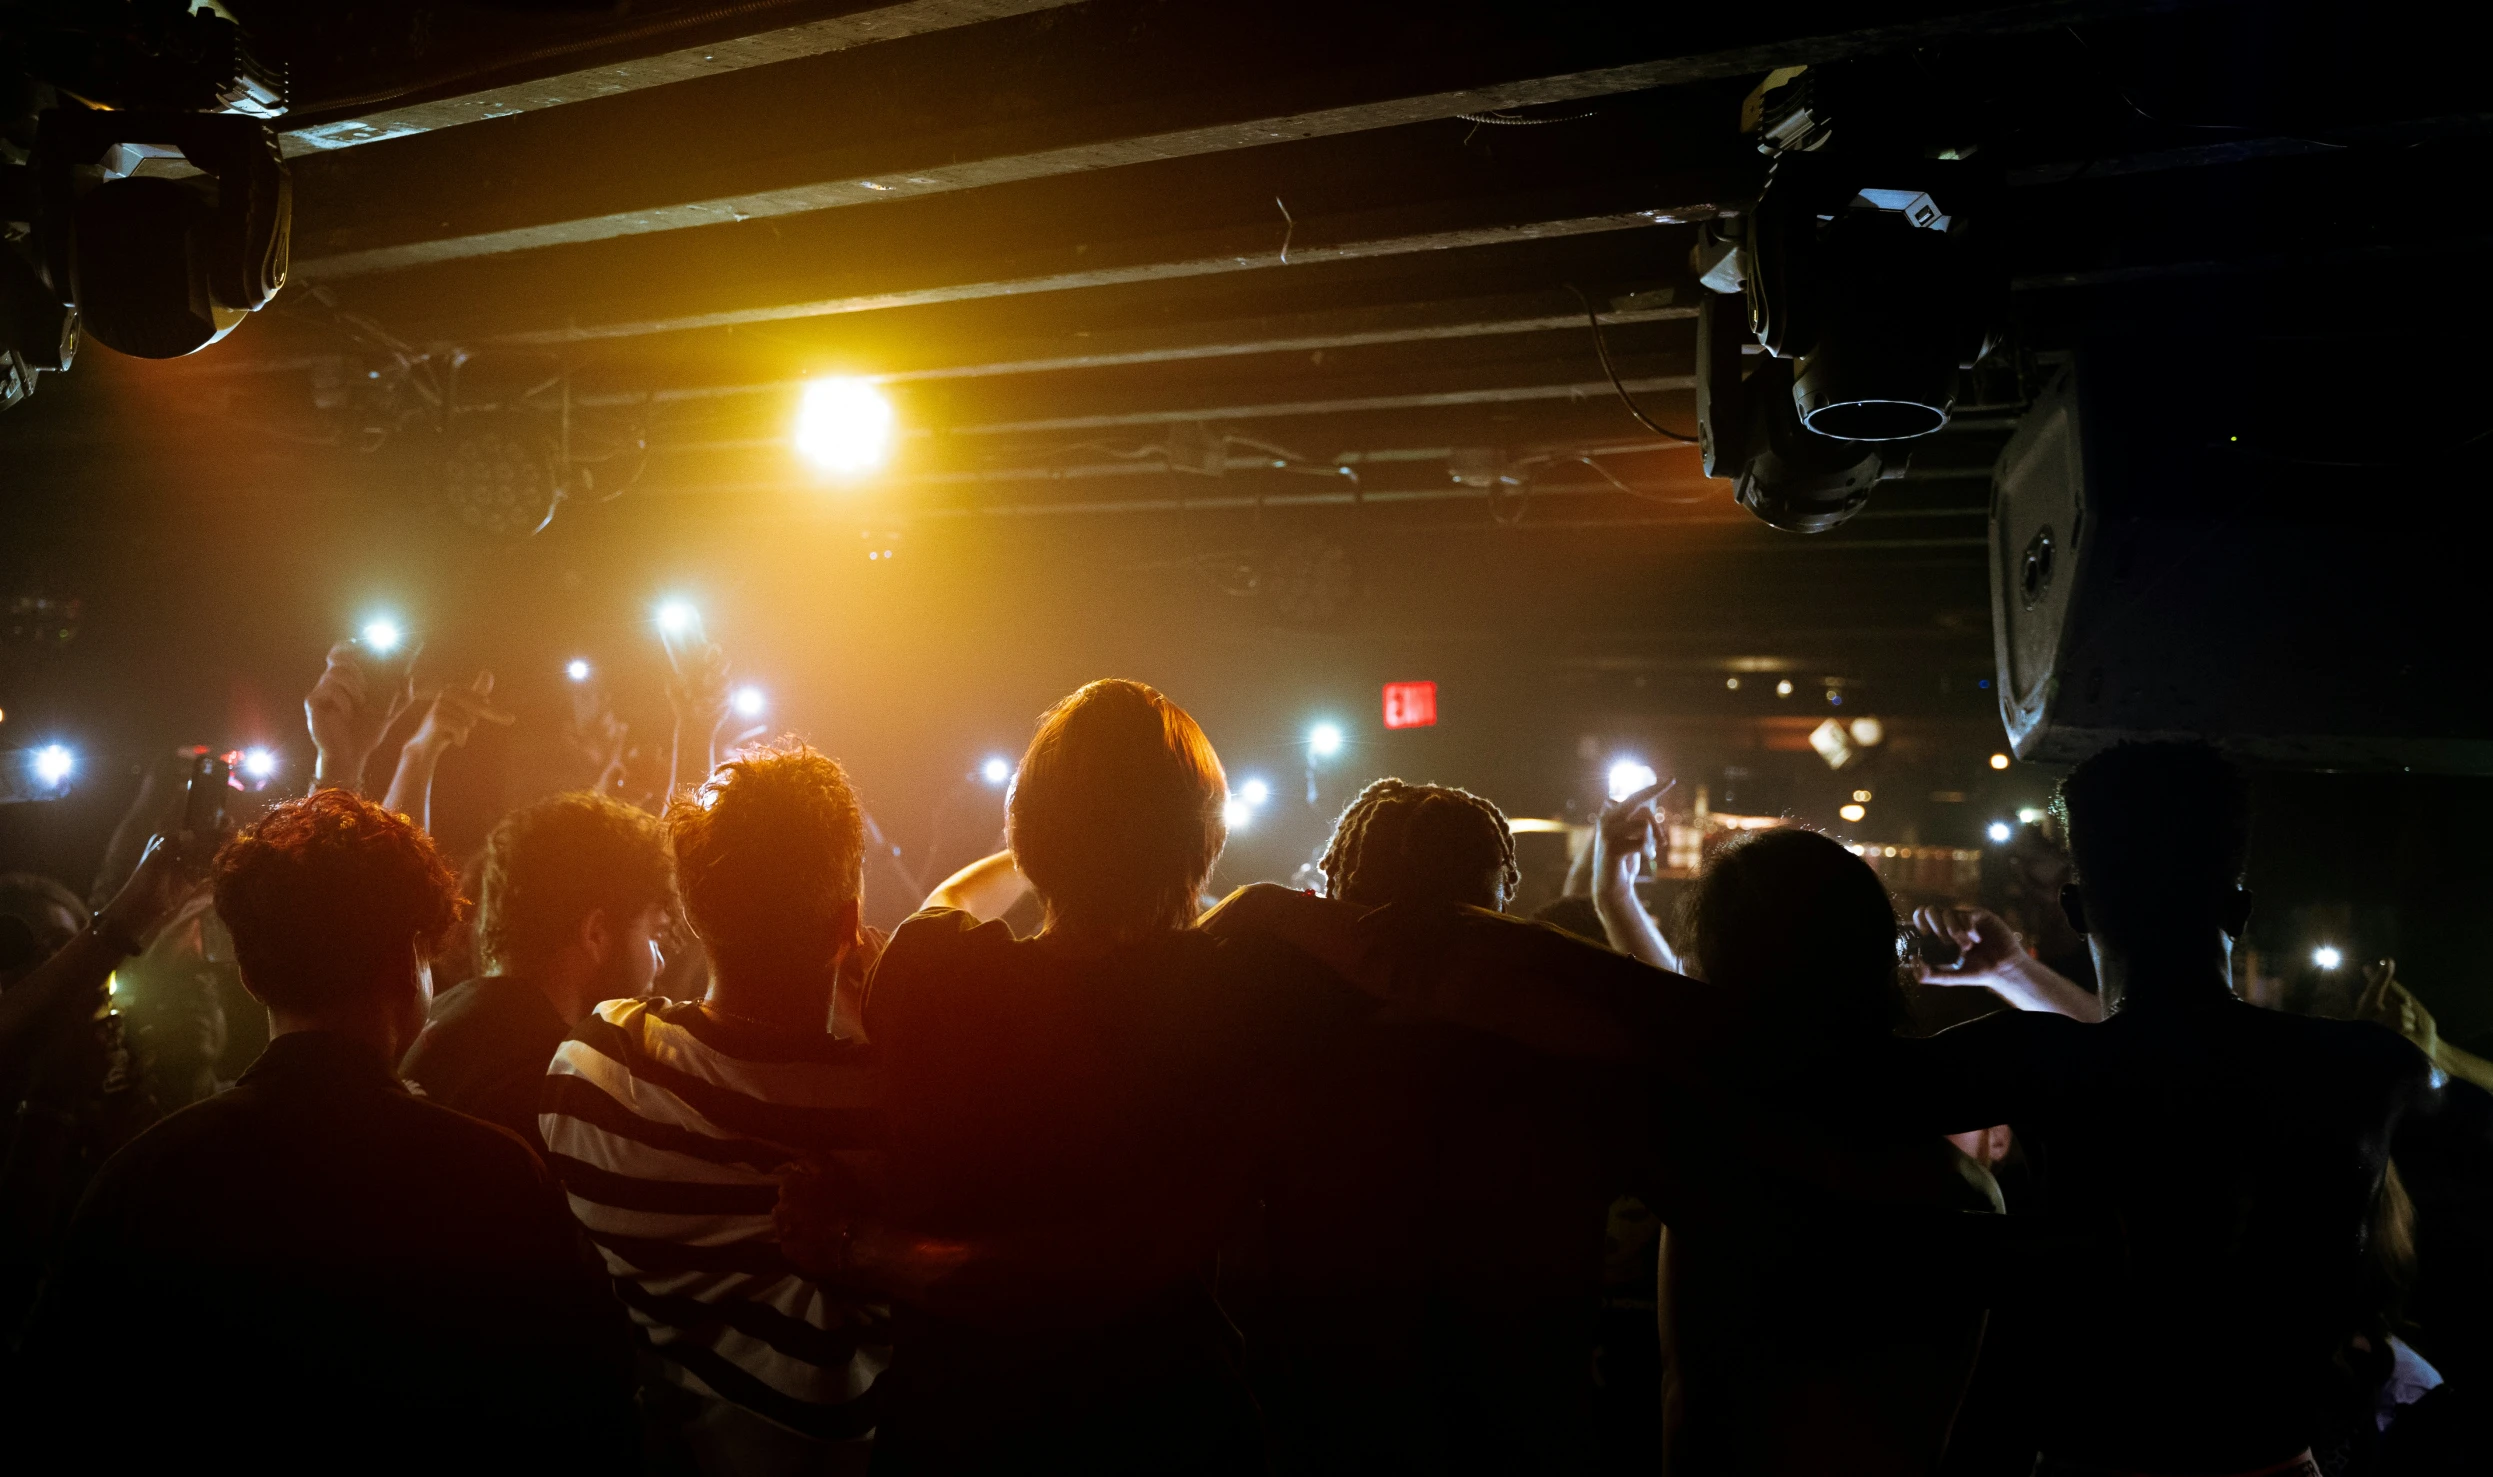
(2241, 549)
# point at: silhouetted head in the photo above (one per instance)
(1115, 815)
(1803, 923)
(580, 875)
(1421, 843)
(770, 857)
(336, 907)
(38, 918)
(2157, 834)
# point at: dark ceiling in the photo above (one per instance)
(1238, 344)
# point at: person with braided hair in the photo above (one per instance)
(1400, 842)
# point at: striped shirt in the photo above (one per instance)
(666, 1125)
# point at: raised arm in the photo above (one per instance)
(1990, 955)
(348, 710)
(453, 716)
(1622, 838)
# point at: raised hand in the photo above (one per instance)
(1625, 834)
(349, 708)
(1984, 940)
(455, 713)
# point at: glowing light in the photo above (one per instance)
(577, 669)
(2327, 957)
(1627, 776)
(1999, 761)
(1325, 738)
(1237, 813)
(1869, 733)
(844, 426)
(258, 764)
(995, 771)
(1731, 684)
(1861, 795)
(1853, 812)
(1255, 792)
(2001, 831)
(676, 617)
(1784, 688)
(749, 702)
(2029, 815)
(383, 635)
(53, 764)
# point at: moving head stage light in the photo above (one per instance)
(142, 196)
(1865, 273)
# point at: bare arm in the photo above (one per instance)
(986, 889)
(447, 723)
(1992, 956)
(349, 709)
(1622, 837)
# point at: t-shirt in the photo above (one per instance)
(1031, 1084)
(667, 1125)
(317, 1269)
(485, 1050)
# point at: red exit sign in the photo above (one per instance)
(1410, 705)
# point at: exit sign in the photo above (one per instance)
(1410, 705)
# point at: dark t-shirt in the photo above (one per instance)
(319, 1266)
(2228, 1157)
(1030, 1085)
(485, 1051)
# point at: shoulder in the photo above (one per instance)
(2367, 1048)
(488, 1147)
(935, 947)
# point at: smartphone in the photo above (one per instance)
(1936, 951)
(211, 782)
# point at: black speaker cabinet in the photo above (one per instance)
(2188, 545)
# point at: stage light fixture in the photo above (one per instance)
(383, 635)
(577, 669)
(749, 702)
(2327, 957)
(844, 426)
(54, 763)
(1999, 761)
(1853, 812)
(996, 771)
(1236, 813)
(1627, 776)
(259, 765)
(676, 617)
(1325, 738)
(2001, 831)
(1255, 792)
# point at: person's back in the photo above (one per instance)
(2235, 1154)
(317, 1265)
(672, 1125)
(2225, 1158)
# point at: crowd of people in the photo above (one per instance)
(1304, 1181)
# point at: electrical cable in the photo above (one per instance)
(1601, 347)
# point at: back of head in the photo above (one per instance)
(770, 856)
(2158, 834)
(1804, 924)
(1116, 814)
(1421, 843)
(330, 895)
(38, 917)
(550, 865)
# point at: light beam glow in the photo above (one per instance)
(1325, 738)
(2001, 831)
(1237, 813)
(382, 635)
(749, 702)
(675, 617)
(53, 764)
(1255, 792)
(996, 771)
(844, 426)
(577, 669)
(2327, 957)
(1627, 776)
(259, 764)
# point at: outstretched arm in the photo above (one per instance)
(447, 723)
(1625, 833)
(1989, 954)
(986, 889)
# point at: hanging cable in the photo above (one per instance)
(1601, 347)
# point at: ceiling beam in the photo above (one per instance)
(707, 52)
(1072, 90)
